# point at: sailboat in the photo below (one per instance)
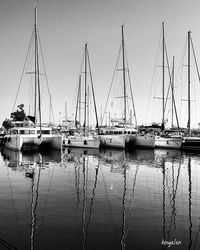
(167, 139)
(26, 133)
(85, 139)
(190, 142)
(122, 133)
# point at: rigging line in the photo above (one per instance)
(77, 182)
(79, 78)
(109, 203)
(46, 202)
(7, 245)
(195, 59)
(133, 193)
(23, 70)
(78, 101)
(169, 78)
(94, 100)
(154, 73)
(171, 203)
(175, 191)
(93, 196)
(131, 90)
(181, 61)
(170, 85)
(45, 73)
(111, 83)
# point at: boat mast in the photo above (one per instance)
(88, 108)
(163, 78)
(85, 107)
(37, 73)
(35, 31)
(172, 86)
(124, 73)
(189, 107)
(79, 98)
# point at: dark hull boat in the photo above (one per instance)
(191, 143)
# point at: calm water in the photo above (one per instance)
(77, 199)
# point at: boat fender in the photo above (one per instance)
(85, 142)
(69, 141)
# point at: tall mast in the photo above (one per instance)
(35, 32)
(172, 86)
(163, 77)
(124, 73)
(189, 118)
(88, 108)
(37, 73)
(85, 108)
(79, 98)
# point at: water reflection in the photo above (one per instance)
(110, 199)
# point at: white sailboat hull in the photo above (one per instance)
(168, 142)
(113, 141)
(33, 142)
(82, 142)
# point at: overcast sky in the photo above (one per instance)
(66, 25)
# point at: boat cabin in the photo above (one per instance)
(29, 131)
(118, 131)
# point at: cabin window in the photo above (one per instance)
(115, 132)
(129, 132)
(124, 132)
(132, 133)
(32, 132)
(43, 132)
(21, 132)
(46, 132)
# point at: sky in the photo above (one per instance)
(66, 25)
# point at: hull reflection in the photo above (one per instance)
(110, 199)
